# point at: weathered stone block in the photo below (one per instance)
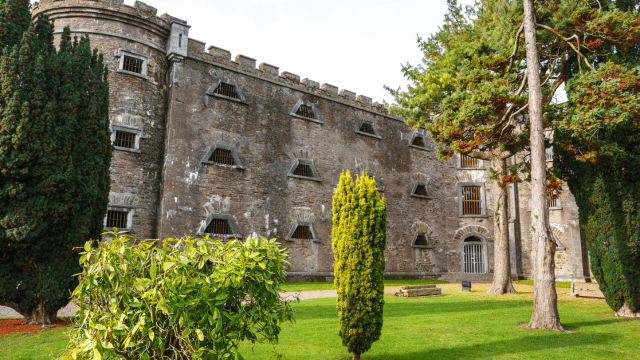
(270, 69)
(329, 88)
(246, 61)
(220, 53)
(348, 94)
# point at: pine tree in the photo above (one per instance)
(359, 238)
(55, 152)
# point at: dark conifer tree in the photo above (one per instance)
(55, 153)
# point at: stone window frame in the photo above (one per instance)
(145, 63)
(415, 187)
(137, 131)
(485, 251)
(559, 245)
(415, 238)
(234, 152)
(129, 209)
(483, 195)
(211, 91)
(295, 108)
(230, 220)
(375, 129)
(424, 139)
(289, 237)
(316, 176)
(459, 164)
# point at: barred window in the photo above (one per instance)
(421, 190)
(117, 219)
(306, 111)
(125, 139)
(548, 154)
(302, 232)
(418, 141)
(421, 240)
(469, 162)
(228, 90)
(554, 200)
(471, 200)
(304, 170)
(222, 156)
(367, 128)
(132, 64)
(219, 227)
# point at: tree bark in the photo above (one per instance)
(356, 356)
(545, 299)
(625, 311)
(37, 316)
(502, 281)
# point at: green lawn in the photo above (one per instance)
(459, 325)
(312, 286)
(559, 284)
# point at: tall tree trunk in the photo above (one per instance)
(38, 314)
(356, 356)
(625, 311)
(502, 282)
(545, 299)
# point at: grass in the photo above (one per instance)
(469, 325)
(559, 284)
(313, 286)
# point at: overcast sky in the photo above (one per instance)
(358, 45)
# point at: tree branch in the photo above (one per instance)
(568, 41)
(516, 46)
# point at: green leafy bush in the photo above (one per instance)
(189, 299)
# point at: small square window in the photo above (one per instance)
(228, 90)
(421, 190)
(367, 128)
(219, 225)
(418, 141)
(302, 230)
(554, 200)
(125, 139)
(117, 219)
(132, 64)
(421, 240)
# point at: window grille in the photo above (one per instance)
(117, 219)
(421, 190)
(553, 202)
(132, 64)
(306, 111)
(222, 156)
(367, 128)
(469, 162)
(418, 141)
(219, 227)
(228, 90)
(421, 240)
(548, 154)
(473, 257)
(125, 139)
(302, 233)
(471, 200)
(304, 170)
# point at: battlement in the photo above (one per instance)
(139, 9)
(169, 27)
(247, 64)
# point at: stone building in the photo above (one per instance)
(209, 145)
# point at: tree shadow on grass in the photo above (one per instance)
(490, 350)
(400, 309)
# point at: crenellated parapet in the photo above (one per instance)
(247, 65)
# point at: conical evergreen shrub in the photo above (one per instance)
(55, 152)
(359, 237)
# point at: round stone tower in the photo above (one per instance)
(135, 43)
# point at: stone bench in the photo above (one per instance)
(586, 291)
(419, 290)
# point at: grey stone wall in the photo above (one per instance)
(181, 118)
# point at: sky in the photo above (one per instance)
(355, 45)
